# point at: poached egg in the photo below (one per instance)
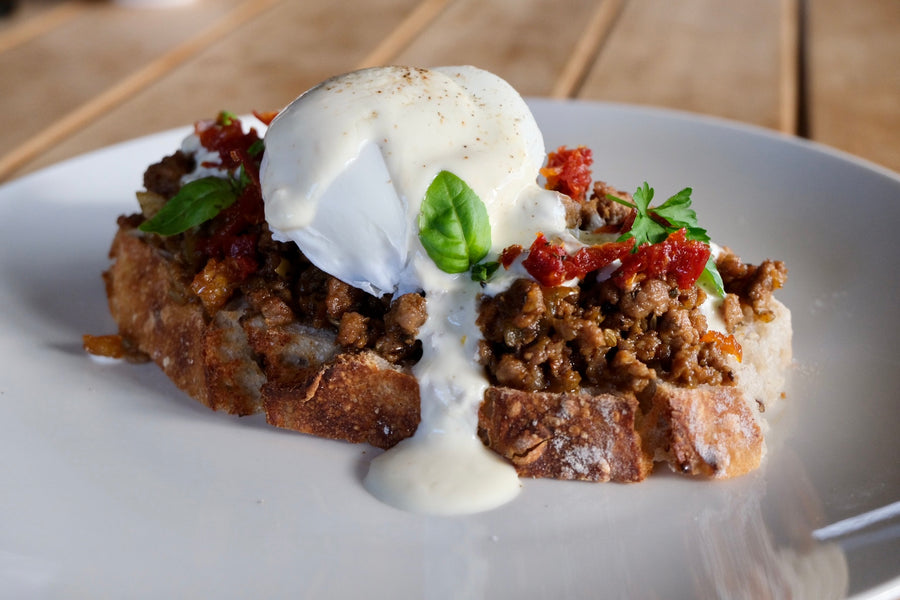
(346, 168)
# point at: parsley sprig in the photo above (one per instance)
(654, 224)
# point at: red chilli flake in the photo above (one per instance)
(569, 171)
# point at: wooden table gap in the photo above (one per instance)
(803, 107)
(413, 25)
(585, 51)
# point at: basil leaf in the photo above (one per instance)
(196, 202)
(453, 223)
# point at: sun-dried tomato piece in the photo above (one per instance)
(551, 265)
(569, 171)
(234, 221)
(510, 254)
(226, 136)
(677, 256)
(593, 258)
(545, 262)
(266, 116)
(726, 343)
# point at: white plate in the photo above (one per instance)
(115, 484)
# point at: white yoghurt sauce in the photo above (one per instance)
(712, 306)
(346, 168)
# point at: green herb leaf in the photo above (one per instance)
(453, 224)
(712, 278)
(677, 210)
(678, 214)
(256, 148)
(226, 118)
(484, 270)
(196, 202)
(645, 230)
(243, 179)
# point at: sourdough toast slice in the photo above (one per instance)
(594, 381)
(589, 437)
(360, 397)
(357, 397)
(708, 430)
(150, 300)
(240, 362)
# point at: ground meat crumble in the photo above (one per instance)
(595, 336)
(276, 282)
(601, 337)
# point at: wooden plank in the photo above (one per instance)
(404, 34)
(55, 77)
(35, 19)
(854, 77)
(706, 56)
(589, 42)
(261, 66)
(526, 42)
(25, 12)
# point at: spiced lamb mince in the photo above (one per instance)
(601, 353)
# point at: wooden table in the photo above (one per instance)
(78, 74)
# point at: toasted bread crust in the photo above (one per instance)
(709, 430)
(240, 363)
(355, 397)
(149, 300)
(564, 435)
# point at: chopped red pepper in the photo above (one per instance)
(569, 171)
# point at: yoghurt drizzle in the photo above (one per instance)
(346, 167)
